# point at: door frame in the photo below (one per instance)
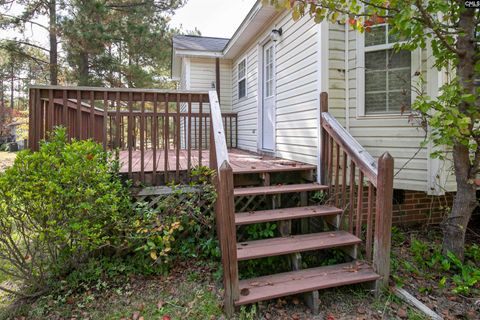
(260, 51)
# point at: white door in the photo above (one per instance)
(268, 98)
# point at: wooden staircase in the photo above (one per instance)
(357, 210)
(297, 281)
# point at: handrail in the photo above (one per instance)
(182, 114)
(344, 162)
(144, 124)
(220, 143)
(225, 206)
(103, 89)
(359, 155)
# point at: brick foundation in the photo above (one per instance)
(416, 207)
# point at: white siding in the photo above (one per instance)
(336, 72)
(202, 77)
(296, 90)
(378, 134)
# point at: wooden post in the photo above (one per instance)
(225, 214)
(212, 156)
(225, 206)
(31, 117)
(383, 220)
(323, 137)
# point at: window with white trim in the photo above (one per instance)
(387, 79)
(242, 78)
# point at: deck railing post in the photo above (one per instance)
(383, 220)
(225, 206)
(31, 117)
(225, 215)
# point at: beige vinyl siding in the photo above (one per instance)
(336, 72)
(202, 77)
(392, 133)
(296, 90)
(246, 107)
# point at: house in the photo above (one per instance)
(272, 71)
(262, 91)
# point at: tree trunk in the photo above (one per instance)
(465, 169)
(53, 65)
(463, 205)
(12, 86)
(83, 69)
(2, 97)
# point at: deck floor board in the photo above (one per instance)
(240, 160)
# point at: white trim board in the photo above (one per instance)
(322, 82)
(415, 63)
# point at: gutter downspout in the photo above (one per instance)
(217, 76)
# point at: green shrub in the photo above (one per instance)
(182, 225)
(59, 207)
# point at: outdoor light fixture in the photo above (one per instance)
(276, 34)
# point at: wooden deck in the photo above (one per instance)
(240, 160)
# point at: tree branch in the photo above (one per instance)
(24, 20)
(29, 44)
(429, 22)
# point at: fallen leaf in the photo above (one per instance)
(471, 314)
(160, 304)
(361, 310)
(295, 301)
(402, 313)
(244, 292)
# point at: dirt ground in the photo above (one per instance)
(193, 291)
(426, 284)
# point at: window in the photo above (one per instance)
(269, 70)
(242, 79)
(388, 74)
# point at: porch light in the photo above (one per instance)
(276, 34)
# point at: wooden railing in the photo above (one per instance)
(361, 187)
(225, 207)
(144, 124)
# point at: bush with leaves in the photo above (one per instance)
(182, 225)
(462, 277)
(59, 207)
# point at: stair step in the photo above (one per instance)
(294, 282)
(251, 217)
(277, 189)
(274, 167)
(291, 244)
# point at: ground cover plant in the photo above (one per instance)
(69, 225)
(445, 284)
